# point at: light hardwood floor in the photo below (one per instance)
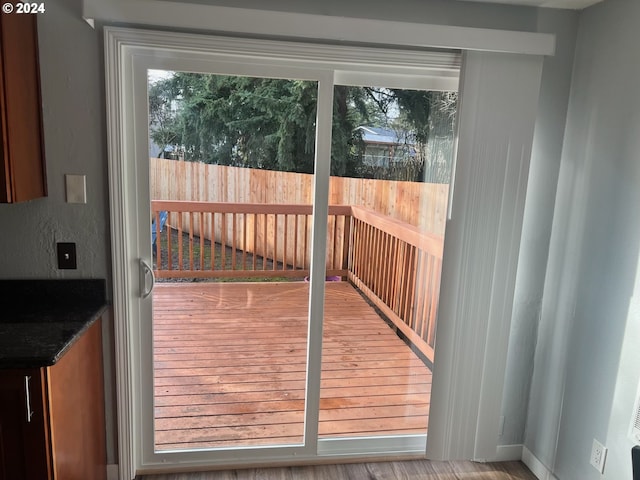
(407, 470)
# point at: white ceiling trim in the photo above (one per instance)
(565, 4)
(324, 27)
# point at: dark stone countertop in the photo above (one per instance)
(41, 319)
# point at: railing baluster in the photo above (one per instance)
(378, 262)
(401, 274)
(346, 243)
(180, 263)
(364, 230)
(434, 301)
(421, 290)
(391, 293)
(370, 255)
(426, 302)
(354, 265)
(384, 253)
(424, 332)
(357, 254)
(394, 275)
(412, 287)
(306, 242)
(373, 260)
(264, 241)
(233, 241)
(295, 241)
(336, 252)
(201, 222)
(169, 250)
(156, 216)
(407, 280)
(213, 241)
(364, 267)
(190, 217)
(275, 240)
(244, 241)
(284, 247)
(223, 241)
(255, 240)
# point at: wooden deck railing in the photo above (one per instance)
(393, 263)
(234, 240)
(398, 268)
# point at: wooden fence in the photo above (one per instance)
(423, 205)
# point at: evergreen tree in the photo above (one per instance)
(271, 123)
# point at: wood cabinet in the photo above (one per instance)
(23, 442)
(52, 419)
(22, 165)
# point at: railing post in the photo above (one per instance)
(347, 243)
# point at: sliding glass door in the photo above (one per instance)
(231, 252)
(235, 164)
(289, 226)
(389, 189)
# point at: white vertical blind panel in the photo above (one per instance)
(499, 97)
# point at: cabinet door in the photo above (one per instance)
(23, 431)
(22, 171)
(76, 410)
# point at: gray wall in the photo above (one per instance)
(73, 97)
(74, 127)
(538, 215)
(445, 12)
(587, 361)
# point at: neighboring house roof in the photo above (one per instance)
(154, 150)
(382, 135)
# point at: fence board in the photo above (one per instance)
(423, 205)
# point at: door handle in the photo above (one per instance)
(27, 392)
(145, 270)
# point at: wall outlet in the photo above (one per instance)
(598, 455)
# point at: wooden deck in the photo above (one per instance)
(230, 367)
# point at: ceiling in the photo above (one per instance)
(572, 4)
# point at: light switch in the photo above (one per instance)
(76, 186)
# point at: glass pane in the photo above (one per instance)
(391, 167)
(231, 185)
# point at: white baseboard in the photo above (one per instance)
(508, 453)
(536, 466)
(112, 472)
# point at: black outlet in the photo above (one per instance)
(67, 256)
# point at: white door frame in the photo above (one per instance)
(125, 50)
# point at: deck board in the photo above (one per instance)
(229, 367)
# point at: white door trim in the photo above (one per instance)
(463, 428)
(129, 54)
